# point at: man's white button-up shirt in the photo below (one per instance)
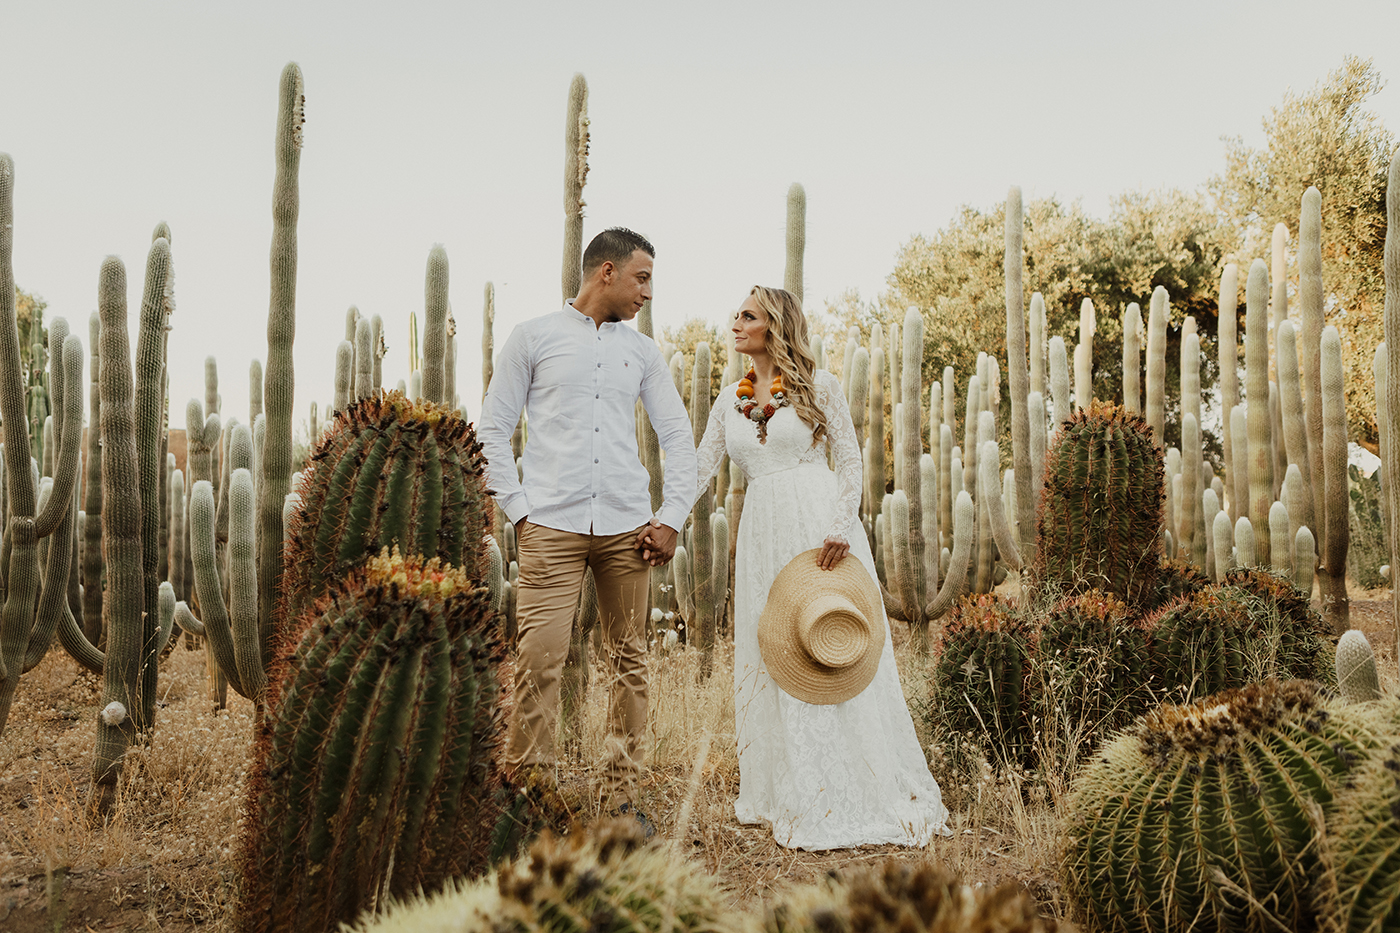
(579, 384)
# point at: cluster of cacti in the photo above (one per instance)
(374, 770)
(1205, 815)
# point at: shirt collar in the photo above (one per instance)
(574, 314)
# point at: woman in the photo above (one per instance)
(823, 776)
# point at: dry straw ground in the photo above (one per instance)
(162, 862)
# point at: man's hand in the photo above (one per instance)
(833, 550)
(657, 542)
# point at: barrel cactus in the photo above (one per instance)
(904, 897)
(1090, 666)
(1100, 515)
(1176, 579)
(1202, 816)
(605, 882)
(1365, 842)
(979, 674)
(373, 769)
(388, 473)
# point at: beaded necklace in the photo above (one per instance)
(747, 406)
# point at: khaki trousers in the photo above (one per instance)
(552, 563)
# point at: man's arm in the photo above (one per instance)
(673, 430)
(500, 413)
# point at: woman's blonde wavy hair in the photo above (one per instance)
(791, 351)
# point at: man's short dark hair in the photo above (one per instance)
(615, 245)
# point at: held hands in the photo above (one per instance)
(657, 542)
(833, 550)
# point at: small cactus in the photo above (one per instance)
(1357, 680)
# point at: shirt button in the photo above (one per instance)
(595, 430)
(595, 495)
(595, 459)
(597, 396)
(600, 365)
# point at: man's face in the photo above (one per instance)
(628, 286)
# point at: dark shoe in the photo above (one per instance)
(647, 826)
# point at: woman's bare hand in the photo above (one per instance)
(833, 550)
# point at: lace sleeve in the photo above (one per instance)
(710, 451)
(841, 436)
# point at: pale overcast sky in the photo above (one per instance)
(443, 123)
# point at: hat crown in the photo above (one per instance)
(832, 630)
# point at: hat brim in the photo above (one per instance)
(790, 666)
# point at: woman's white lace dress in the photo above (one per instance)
(824, 777)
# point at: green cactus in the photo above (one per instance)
(1101, 511)
(1201, 816)
(902, 896)
(796, 239)
(1059, 384)
(275, 459)
(1090, 659)
(388, 472)
(1336, 530)
(374, 771)
(92, 495)
(1158, 317)
(604, 881)
(575, 177)
(435, 329)
(1357, 680)
(1258, 420)
(1364, 838)
(1390, 451)
(1227, 360)
(1018, 378)
(1176, 579)
(978, 677)
(364, 360)
(1295, 429)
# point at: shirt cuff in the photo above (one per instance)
(672, 517)
(516, 508)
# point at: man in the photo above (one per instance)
(583, 500)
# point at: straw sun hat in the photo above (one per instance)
(822, 631)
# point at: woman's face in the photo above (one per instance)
(750, 328)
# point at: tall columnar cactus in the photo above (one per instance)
(1228, 360)
(1191, 543)
(1084, 357)
(1059, 383)
(92, 496)
(1017, 376)
(377, 348)
(1158, 316)
(388, 473)
(1260, 425)
(344, 376)
(1037, 344)
(255, 389)
(488, 338)
(123, 609)
(875, 477)
(435, 329)
(1390, 453)
(575, 177)
(374, 770)
(1311, 299)
(1100, 515)
(35, 603)
(903, 595)
(796, 239)
(1132, 358)
(1336, 530)
(275, 462)
(1295, 429)
(364, 359)
(1202, 815)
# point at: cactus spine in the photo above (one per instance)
(275, 462)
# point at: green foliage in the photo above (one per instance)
(1201, 816)
(685, 338)
(374, 769)
(1326, 138)
(1100, 515)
